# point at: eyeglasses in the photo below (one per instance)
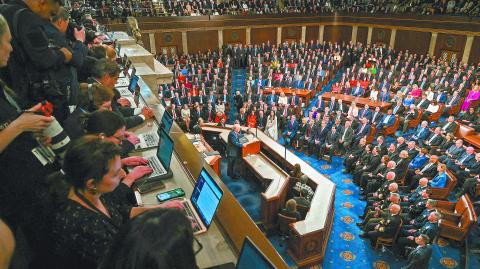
(197, 246)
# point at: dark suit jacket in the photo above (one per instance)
(376, 118)
(234, 146)
(366, 113)
(348, 135)
(435, 141)
(419, 258)
(359, 133)
(450, 128)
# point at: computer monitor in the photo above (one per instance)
(252, 257)
(133, 84)
(165, 148)
(167, 121)
(206, 197)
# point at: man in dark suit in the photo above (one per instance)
(449, 125)
(452, 101)
(290, 130)
(345, 137)
(365, 113)
(387, 121)
(271, 98)
(208, 113)
(420, 256)
(461, 162)
(470, 170)
(434, 140)
(408, 115)
(330, 145)
(407, 237)
(362, 130)
(387, 227)
(233, 150)
(293, 100)
(376, 116)
(398, 109)
(428, 170)
(453, 152)
(423, 103)
(421, 133)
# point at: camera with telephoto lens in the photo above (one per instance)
(60, 139)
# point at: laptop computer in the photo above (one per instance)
(167, 121)
(250, 257)
(160, 162)
(150, 140)
(203, 203)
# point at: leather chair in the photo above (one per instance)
(371, 135)
(457, 218)
(442, 193)
(391, 129)
(284, 224)
(455, 109)
(389, 241)
(303, 210)
(415, 122)
(436, 116)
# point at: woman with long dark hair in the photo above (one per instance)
(158, 239)
(89, 216)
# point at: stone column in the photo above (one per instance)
(433, 42)
(304, 34)
(321, 30)
(369, 35)
(354, 33)
(184, 42)
(468, 48)
(220, 38)
(279, 35)
(153, 48)
(393, 35)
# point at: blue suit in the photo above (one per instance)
(386, 121)
(271, 99)
(292, 128)
(233, 151)
(358, 91)
(420, 135)
(384, 97)
(407, 102)
(366, 113)
(359, 133)
(418, 162)
(321, 106)
(439, 181)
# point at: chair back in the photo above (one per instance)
(303, 210)
(283, 223)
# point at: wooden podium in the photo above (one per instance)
(252, 147)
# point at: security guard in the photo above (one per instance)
(29, 68)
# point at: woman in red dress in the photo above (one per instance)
(252, 120)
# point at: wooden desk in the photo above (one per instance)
(225, 237)
(468, 134)
(308, 245)
(202, 146)
(276, 180)
(360, 101)
(301, 93)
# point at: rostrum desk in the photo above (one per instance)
(309, 239)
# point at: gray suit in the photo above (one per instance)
(419, 258)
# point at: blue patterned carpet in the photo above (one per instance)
(345, 248)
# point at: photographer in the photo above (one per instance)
(66, 75)
(33, 61)
(23, 201)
